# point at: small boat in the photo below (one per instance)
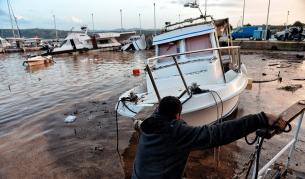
(190, 65)
(38, 60)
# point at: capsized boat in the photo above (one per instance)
(38, 60)
(190, 65)
(135, 42)
(74, 42)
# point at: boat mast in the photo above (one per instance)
(15, 18)
(9, 11)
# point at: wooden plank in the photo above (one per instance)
(293, 111)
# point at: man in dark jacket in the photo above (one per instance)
(166, 141)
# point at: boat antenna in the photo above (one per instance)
(195, 5)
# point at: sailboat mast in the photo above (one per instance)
(9, 12)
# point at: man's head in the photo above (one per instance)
(170, 106)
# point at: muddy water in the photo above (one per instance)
(36, 143)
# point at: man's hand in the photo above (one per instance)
(276, 122)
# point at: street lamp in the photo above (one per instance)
(243, 13)
(92, 22)
(121, 12)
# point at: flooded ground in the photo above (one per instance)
(36, 143)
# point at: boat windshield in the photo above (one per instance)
(62, 43)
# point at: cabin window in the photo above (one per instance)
(198, 43)
(106, 41)
(168, 49)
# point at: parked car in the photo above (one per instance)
(244, 32)
(293, 33)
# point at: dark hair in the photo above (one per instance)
(170, 106)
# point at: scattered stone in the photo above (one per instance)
(264, 74)
(263, 59)
(104, 103)
(39, 79)
(291, 88)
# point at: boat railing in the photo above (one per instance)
(233, 53)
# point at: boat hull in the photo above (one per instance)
(209, 115)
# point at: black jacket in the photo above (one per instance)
(165, 143)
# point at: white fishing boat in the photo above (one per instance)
(190, 65)
(74, 42)
(38, 60)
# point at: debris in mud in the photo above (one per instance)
(284, 66)
(9, 87)
(291, 88)
(70, 119)
(264, 74)
(299, 56)
(103, 103)
(273, 64)
(263, 59)
(299, 79)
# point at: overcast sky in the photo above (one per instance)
(74, 13)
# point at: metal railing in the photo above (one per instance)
(233, 52)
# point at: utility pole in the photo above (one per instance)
(267, 20)
(243, 13)
(54, 20)
(92, 22)
(205, 8)
(155, 28)
(140, 24)
(121, 12)
(287, 21)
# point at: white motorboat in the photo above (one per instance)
(189, 64)
(108, 40)
(4, 45)
(75, 41)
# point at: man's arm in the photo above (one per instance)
(188, 137)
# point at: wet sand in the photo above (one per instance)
(43, 146)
